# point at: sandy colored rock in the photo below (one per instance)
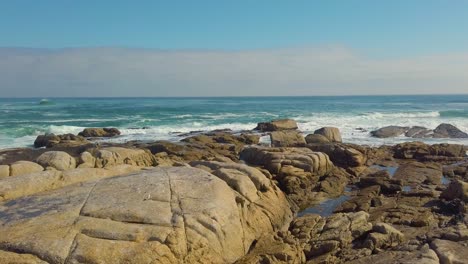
(287, 139)
(28, 184)
(275, 158)
(424, 255)
(383, 236)
(331, 133)
(4, 171)
(275, 125)
(297, 170)
(59, 160)
(450, 252)
(24, 167)
(86, 160)
(112, 156)
(163, 215)
(13, 258)
(344, 155)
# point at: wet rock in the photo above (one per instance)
(316, 139)
(361, 202)
(275, 125)
(448, 131)
(424, 152)
(65, 140)
(287, 139)
(441, 131)
(416, 173)
(450, 252)
(389, 131)
(173, 215)
(457, 189)
(331, 133)
(382, 179)
(418, 132)
(99, 132)
(57, 159)
(24, 167)
(205, 147)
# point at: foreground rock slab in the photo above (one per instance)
(163, 215)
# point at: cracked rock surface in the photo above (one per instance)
(167, 215)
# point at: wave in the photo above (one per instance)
(63, 129)
(46, 102)
(454, 113)
(377, 115)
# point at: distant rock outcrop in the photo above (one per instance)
(99, 132)
(275, 125)
(441, 131)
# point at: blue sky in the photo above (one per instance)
(394, 27)
(383, 32)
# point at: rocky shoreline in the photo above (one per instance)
(223, 197)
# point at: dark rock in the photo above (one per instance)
(275, 125)
(449, 131)
(425, 152)
(99, 132)
(456, 190)
(316, 139)
(418, 132)
(65, 140)
(389, 131)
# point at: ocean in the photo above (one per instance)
(149, 119)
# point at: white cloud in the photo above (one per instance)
(146, 72)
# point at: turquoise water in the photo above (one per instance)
(21, 120)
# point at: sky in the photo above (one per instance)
(232, 48)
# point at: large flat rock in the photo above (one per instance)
(162, 215)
